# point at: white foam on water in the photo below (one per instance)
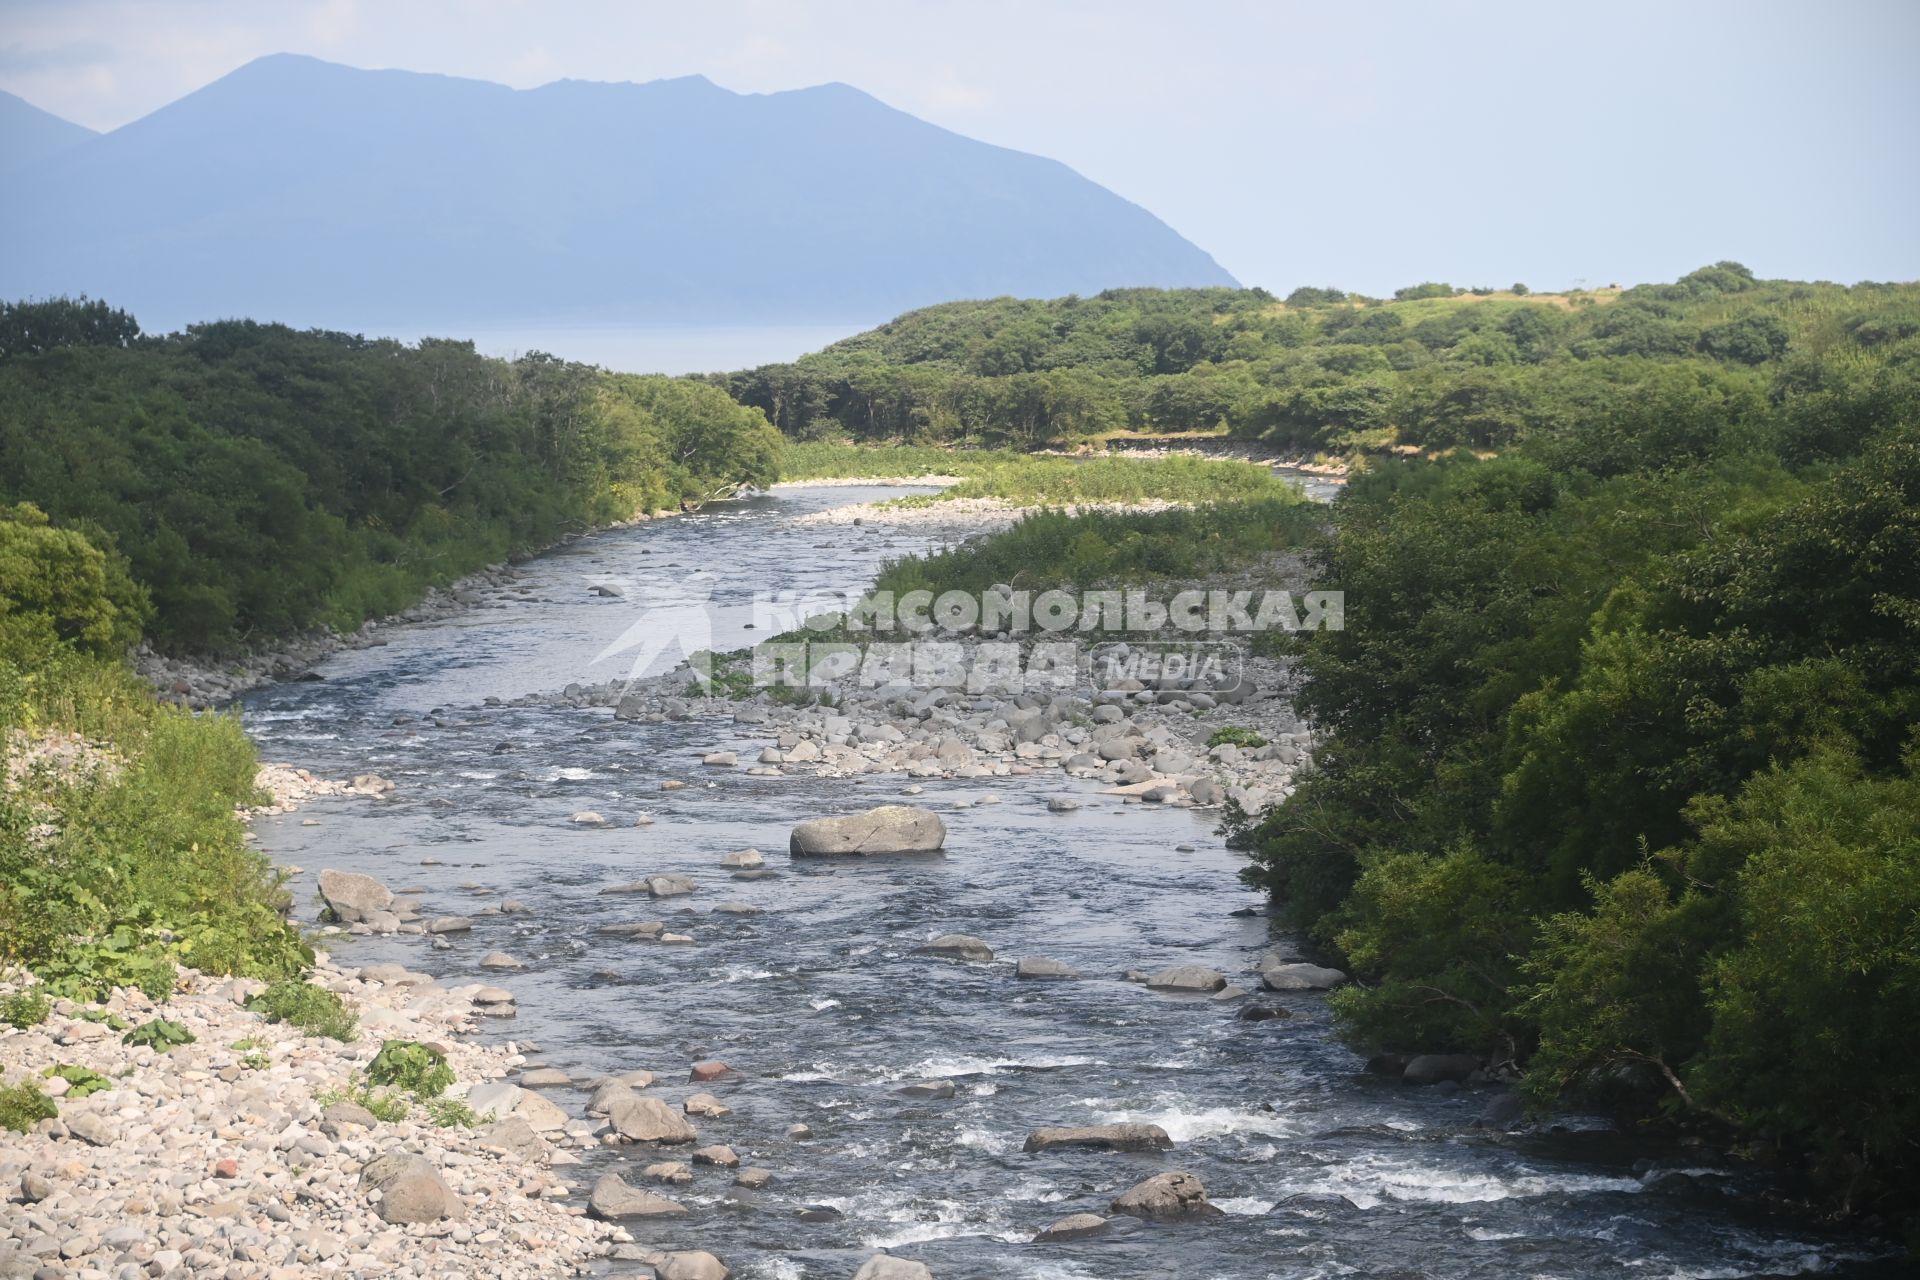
(743, 973)
(1243, 1206)
(777, 1269)
(479, 775)
(1373, 1180)
(1191, 1124)
(821, 1005)
(938, 1067)
(1489, 1234)
(991, 1141)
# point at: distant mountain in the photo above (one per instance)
(300, 190)
(29, 135)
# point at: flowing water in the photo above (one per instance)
(824, 1012)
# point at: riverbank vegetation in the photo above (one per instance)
(259, 480)
(1616, 771)
(121, 858)
(1320, 371)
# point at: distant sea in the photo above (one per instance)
(653, 349)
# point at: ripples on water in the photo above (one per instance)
(825, 1012)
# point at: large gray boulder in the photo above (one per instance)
(352, 897)
(891, 828)
(411, 1189)
(1107, 1137)
(641, 1119)
(1167, 1197)
(613, 1199)
(1301, 977)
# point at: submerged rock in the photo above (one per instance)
(1040, 967)
(883, 1266)
(1106, 1137)
(1187, 977)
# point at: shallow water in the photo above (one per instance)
(824, 1012)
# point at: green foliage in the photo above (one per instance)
(453, 1113)
(1051, 548)
(313, 1009)
(162, 1034)
(58, 589)
(1236, 734)
(90, 970)
(80, 1081)
(25, 1009)
(259, 480)
(1324, 372)
(34, 327)
(1615, 758)
(407, 1064)
(112, 1021)
(387, 1106)
(22, 1106)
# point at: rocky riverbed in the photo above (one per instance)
(1070, 1045)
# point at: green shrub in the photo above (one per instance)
(124, 958)
(80, 1080)
(22, 1105)
(1237, 735)
(454, 1113)
(162, 1034)
(25, 1009)
(407, 1064)
(314, 1010)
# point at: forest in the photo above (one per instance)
(1616, 766)
(1320, 372)
(260, 480)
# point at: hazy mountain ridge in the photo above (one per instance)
(302, 190)
(29, 135)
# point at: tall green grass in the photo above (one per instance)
(1054, 549)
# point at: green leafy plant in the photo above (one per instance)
(112, 1021)
(25, 1009)
(81, 1081)
(407, 1064)
(162, 1034)
(125, 957)
(1237, 735)
(256, 1061)
(314, 1010)
(22, 1105)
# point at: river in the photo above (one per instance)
(823, 1010)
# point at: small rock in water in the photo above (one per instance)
(1187, 977)
(743, 860)
(499, 960)
(1077, 1227)
(1062, 804)
(710, 1069)
(449, 924)
(588, 818)
(752, 1179)
(1040, 967)
(1105, 1137)
(957, 946)
(1167, 1197)
(927, 1089)
(883, 1266)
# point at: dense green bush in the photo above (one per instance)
(25, 1009)
(420, 1069)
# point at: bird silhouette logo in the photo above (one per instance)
(676, 616)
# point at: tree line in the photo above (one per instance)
(259, 479)
(1322, 371)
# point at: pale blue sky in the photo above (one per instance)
(1362, 145)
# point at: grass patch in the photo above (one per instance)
(387, 1106)
(1033, 481)
(25, 1009)
(1235, 735)
(1054, 549)
(162, 1034)
(454, 1113)
(23, 1105)
(314, 1010)
(843, 460)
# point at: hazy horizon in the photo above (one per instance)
(1297, 146)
